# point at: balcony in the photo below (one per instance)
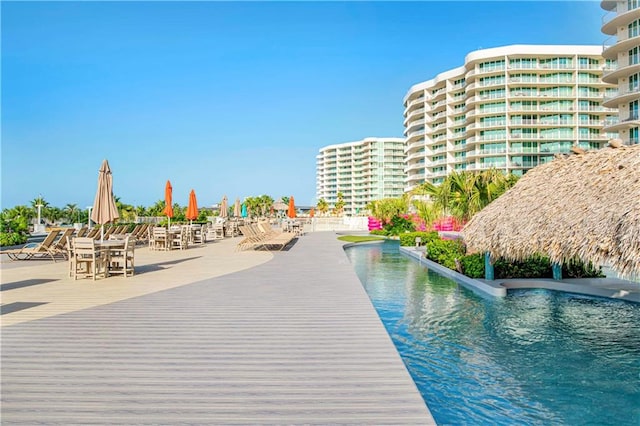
(415, 156)
(618, 17)
(414, 145)
(621, 70)
(622, 96)
(612, 125)
(622, 44)
(416, 133)
(414, 115)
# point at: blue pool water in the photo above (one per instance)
(534, 357)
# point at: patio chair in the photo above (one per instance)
(86, 259)
(179, 239)
(159, 238)
(35, 250)
(121, 261)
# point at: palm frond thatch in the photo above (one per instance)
(585, 206)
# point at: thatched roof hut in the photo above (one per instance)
(585, 206)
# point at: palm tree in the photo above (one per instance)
(157, 209)
(125, 211)
(141, 211)
(39, 201)
(71, 211)
(265, 203)
(321, 205)
(253, 206)
(387, 208)
(463, 194)
(338, 207)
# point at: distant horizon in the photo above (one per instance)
(229, 98)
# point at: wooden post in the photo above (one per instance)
(488, 267)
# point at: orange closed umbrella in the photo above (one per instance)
(291, 212)
(312, 212)
(192, 208)
(168, 208)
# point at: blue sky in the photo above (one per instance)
(228, 98)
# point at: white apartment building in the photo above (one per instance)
(622, 49)
(363, 171)
(510, 108)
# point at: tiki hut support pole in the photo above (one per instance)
(556, 268)
(488, 267)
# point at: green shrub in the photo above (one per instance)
(409, 239)
(473, 265)
(398, 225)
(378, 232)
(534, 267)
(12, 238)
(576, 268)
(445, 252)
(14, 228)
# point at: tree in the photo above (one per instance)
(71, 212)
(125, 211)
(338, 207)
(322, 205)
(265, 203)
(253, 206)
(157, 209)
(463, 194)
(39, 201)
(141, 211)
(387, 208)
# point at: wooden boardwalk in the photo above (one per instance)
(294, 340)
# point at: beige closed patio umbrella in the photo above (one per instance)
(224, 207)
(104, 205)
(237, 212)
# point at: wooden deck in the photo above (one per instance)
(294, 340)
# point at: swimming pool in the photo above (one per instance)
(533, 357)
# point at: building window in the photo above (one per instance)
(491, 66)
(633, 29)
(633, 110)
(526, 63)
(633, 82)
(633, 136)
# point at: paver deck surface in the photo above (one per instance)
(283, 338)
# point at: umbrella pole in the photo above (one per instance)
(102, 233)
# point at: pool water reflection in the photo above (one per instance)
(534, 357)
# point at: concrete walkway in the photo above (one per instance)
(290, 339)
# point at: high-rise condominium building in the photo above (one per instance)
(622, 23)
(509, 108)
(363, 171)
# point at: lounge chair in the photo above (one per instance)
(35, 250)
(256, 238)
(59, 247)
(93, 233)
